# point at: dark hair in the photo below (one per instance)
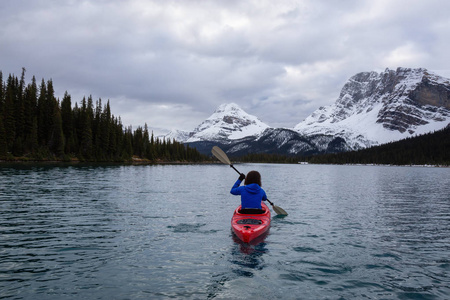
(253, 177)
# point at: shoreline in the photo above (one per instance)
(139, 161)
(75, 161)
(24, 162)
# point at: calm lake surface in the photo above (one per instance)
(156, 232)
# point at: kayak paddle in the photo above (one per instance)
(278, 209)
(220, 155)
(217, 152)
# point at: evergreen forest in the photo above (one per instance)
(428, 149)
(36, 126)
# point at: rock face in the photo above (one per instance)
(372, 108)
(424, 101)
(375, 108)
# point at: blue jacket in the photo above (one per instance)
(251, 195)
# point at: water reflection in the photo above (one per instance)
(247, 257)
(162, 231)
(245, 261)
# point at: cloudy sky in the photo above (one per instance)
(171, 63)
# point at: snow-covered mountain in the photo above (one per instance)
(372, 108)
(178, 135)
(228, 122)
(375, 108)
(239, 133)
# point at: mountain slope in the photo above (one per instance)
(427, 149)
(376, 108)
(239, 133)
(372, 108)
(228, 122)
(276, 141)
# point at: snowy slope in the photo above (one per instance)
(228, 122)
(178, 135)
(376, 108)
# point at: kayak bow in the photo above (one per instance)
(249, 226)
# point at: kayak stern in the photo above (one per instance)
(248, 227)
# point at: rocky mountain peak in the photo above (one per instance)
(228, 122)
(229, 108)
(386, 106)
(229, 114)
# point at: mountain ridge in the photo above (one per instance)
(375, 108)
(372, 108)
(229, 121)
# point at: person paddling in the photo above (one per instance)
(251, 193)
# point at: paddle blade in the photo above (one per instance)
(220, 155)
(279, 210)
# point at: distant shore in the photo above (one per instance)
(133, 161)
(143, 161)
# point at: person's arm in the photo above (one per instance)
(235, 189)
(264, 197)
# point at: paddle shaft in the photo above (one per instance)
(235, 169)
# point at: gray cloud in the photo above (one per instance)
(171, 63)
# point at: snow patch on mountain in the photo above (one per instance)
(228, 122)
(375, 108)
(178, 135)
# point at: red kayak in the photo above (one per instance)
(250, 223)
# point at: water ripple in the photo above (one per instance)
(156, 232)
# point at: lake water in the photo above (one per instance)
(156, 232)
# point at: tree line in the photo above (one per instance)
(34, 125)
(427, 149)
(267, 158)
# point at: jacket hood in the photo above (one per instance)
(253, 188)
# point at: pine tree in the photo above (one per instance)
(113, 143)
(137, 142)
(2, 93)
(53, 140)
(146, 142)
(20, 107)
(30, 117)
(127, 147)
(30, 103)
(68, 123)
(85, 131)
(96, 135)
(151, 153)
(8, 113)
(119, 136)
(56, 141)
(105, 126)
(42, 114)
(3, 147)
